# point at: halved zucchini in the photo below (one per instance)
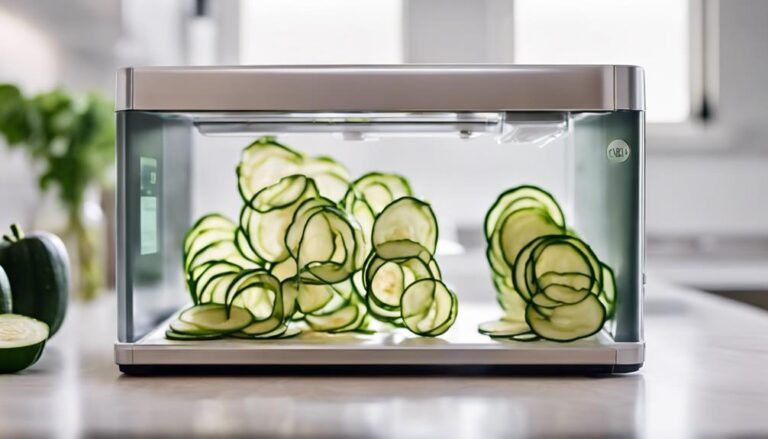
(22, 340)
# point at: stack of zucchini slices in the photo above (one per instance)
(401, 277)
(548, 281)
(308, 251)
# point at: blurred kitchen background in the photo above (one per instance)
(705, 61)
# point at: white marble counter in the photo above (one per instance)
(705, 374)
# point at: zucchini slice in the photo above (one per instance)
(22, 340)
(504, 328)
(331, 177)
(213, 221)
(213, 237)
(266, 229)
(259, 292)
(569, 251)
(539, 197)
(408, 222)
(380, 313)
(284, 270)
(334, 321)
(388, 279)
(181, 327)
(387, 284)
(607, 294)
(376, 190)
(205, 278)
(563, 294)
(216, 317)
(310, 297)
(568, 322)
(264, 162)
(329, 246)
(181, 336)
(511, 301)
(427, 307)
(520, 228)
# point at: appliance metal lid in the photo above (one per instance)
(382, 88)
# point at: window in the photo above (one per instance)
(321, 32)
(654, 34)
(659, 35)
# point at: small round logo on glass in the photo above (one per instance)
(618, 151)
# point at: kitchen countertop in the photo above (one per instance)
(704, 375)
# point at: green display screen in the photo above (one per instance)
(148, 206)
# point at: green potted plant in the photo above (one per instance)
(71, 135)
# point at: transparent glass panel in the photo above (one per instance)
(174, 168)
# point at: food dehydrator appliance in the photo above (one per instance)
(464, 135)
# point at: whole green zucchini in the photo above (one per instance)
(38, 270)
(6, 301)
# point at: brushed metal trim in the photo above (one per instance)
(124, 89)
(123, 353)
(629, 91)
(382, 88)
(194, 353)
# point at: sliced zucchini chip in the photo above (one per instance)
(508, 298)
(261, 293)
(266, 161)
(567, 322)
(388, 279)
(504, 328)
(310, 297)
(255, 331)
(336, 320)
(537, 195)
(181, 327)
(410, 224)
(522, 275)
(206, 224)
(263, 163)
(218, 318)
(427, 307)
(182, 336)
(205, 280)
(565, 254)
(266, 230)
(215, 288)
(520, 228)
(607, 294)
(329, 246)
(332, 177)
(284, 270)
(376, 190)
(380, 313)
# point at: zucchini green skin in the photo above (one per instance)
(38, 270)
(6, 300)
(16, 359)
